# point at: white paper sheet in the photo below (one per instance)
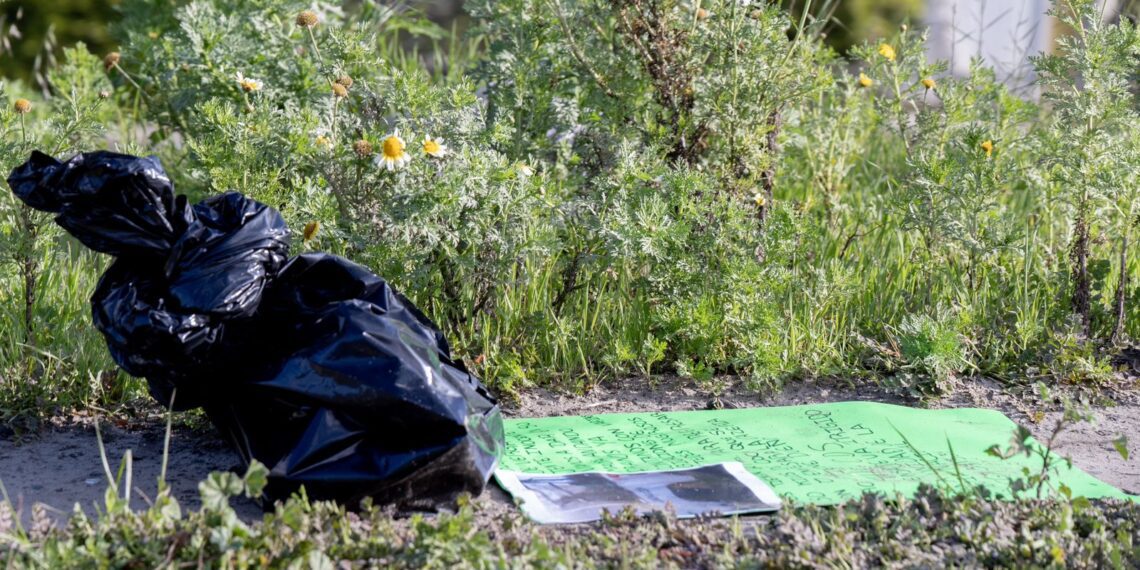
(724, 488)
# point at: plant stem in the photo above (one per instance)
(1047, 455)
(1122, 285)
(29, 270)
(129, 79)
(768, 176)
(576, 51)
(1079, 255)
(316, 50)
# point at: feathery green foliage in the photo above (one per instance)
(633, 187)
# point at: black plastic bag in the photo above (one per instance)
(313, 365)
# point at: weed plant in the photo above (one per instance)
(932, 529)
(50, 356)
(579, 191)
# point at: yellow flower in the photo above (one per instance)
(887, 51)
(339, 91)
(111, 60)
(929, 83)
(759, 199)
(323, 138)
(307, 19)
(434, 147)
(22, 106)
(1058, 554)
(392, 152)
(248, 84)
(311, 230)
(865, 81)
(362, 148)
(988, 146)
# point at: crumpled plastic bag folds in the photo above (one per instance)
(312, 365)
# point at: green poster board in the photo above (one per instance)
(819, 453)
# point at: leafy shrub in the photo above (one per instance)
(649, 186)
(540, 268)
(1090, 142)
(931, 344)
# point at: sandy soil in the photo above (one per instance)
(61, 466)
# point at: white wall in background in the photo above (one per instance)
(1004, 33)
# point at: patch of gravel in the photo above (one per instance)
(61, 466)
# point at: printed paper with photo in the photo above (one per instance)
(723, 488)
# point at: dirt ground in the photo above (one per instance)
(61, 466)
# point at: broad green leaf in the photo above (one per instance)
(256, 477)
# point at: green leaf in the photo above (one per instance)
(217, 489)
(1081, 503)
(315, 560)
(1121, 445)
(112, 501)
(256, 477)
(168, 508)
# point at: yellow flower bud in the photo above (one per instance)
(887, 51)
(22, 106)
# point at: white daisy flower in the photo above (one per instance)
(434, 147)
(393, 154)
(248, 84)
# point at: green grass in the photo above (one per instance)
(67, 365)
